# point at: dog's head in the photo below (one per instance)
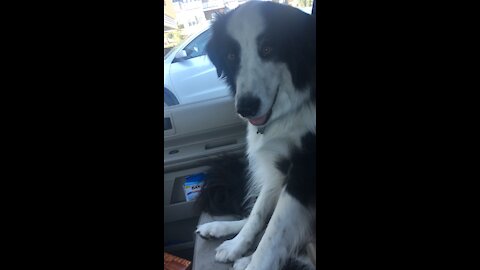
(266, 53)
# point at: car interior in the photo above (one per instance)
(195, 133)
(192, 135)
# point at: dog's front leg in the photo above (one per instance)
(286, 232)
(233, 249)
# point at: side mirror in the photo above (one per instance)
(181, 54)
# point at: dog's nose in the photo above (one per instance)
(247, 106)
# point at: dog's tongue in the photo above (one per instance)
(259, 120)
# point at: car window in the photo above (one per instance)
(190, 77)
(198, 45)
(171, 50)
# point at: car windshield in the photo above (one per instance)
(171, 51)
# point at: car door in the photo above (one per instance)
(193, 134)
(202, 126)
(194, 78)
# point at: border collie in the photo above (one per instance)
(266, 54)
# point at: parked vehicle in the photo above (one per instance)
(189, 76)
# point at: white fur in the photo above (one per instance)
(263, 150)
(292, 117)
(219, 229)
(242, 263)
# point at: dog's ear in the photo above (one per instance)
(215, 46)
(213, 52)
(301, 49)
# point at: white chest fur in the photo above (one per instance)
(264, 150)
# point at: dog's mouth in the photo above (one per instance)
(262, 120)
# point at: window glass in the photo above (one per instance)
(192, 78)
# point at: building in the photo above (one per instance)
(210, 7)
(169, 22)
(169, 26)
(194, 14)
(190, 16)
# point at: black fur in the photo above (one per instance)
(300, 170)
(218, 49)
(225, 187)
(294, 264)
(292, 35)
(284, 165)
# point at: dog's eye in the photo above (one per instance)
(231, 56)
(267, 50)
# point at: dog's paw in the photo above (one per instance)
(213, 229)
(230, 250)
(242, 263)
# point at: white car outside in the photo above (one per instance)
(189, 76)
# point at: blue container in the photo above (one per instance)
(193, 186)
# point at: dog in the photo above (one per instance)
(266, 54)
